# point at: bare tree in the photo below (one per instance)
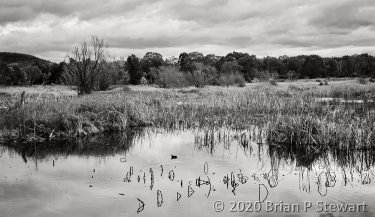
(86, 63)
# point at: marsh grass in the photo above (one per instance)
(292, 119)
(344, 90)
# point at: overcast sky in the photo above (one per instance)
(51, 28)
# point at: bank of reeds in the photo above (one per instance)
(345, 90)
(292, 119)
(340, 129)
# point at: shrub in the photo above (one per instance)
(143, 81)
(126, 89)
(239, 80)
(275, 75)
(261, 75)
(321, 84)
(125, 78)
(111, 75)
(204, 75)
(272, 82)
(362, 80)
(199, 79)
(294, 88)
(170, 76)
(103, 84)
(232, 79)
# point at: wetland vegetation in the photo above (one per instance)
(287, 114)
(272, 122)
(270, 96)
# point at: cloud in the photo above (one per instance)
(9, 15)
(50, 29)
(24, 11)
(349, 15)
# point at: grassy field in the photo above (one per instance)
(286, 114)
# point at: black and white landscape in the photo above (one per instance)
(187, 108)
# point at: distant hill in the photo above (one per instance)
(21, 60)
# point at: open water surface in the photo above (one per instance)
(134, 174)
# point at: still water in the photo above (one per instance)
(135, 175)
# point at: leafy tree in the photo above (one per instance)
(46, 72)
(313, 67)
(5, 74)
(195, 57)
(184, 62)
(219, 63)
(133, 65)
(248, 64)
(294, 64)
(33, 74)
(210, 59)
(364, 64)
(12, 74)
(57, 71)
(234, 56)
(331, 67)
(150, 60)
(349, 67)
(230, 67)
(271, 64)
(18, 76)
(284, 58)
(172, 61)
(291, 75)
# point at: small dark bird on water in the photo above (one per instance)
(173, 157)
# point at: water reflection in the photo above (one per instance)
(98, 146)
(134, 173)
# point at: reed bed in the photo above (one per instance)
(345, 90)
(289, 118)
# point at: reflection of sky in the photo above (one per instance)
(64, 190)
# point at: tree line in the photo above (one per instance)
(89, 67)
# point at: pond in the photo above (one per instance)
(184, 173)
